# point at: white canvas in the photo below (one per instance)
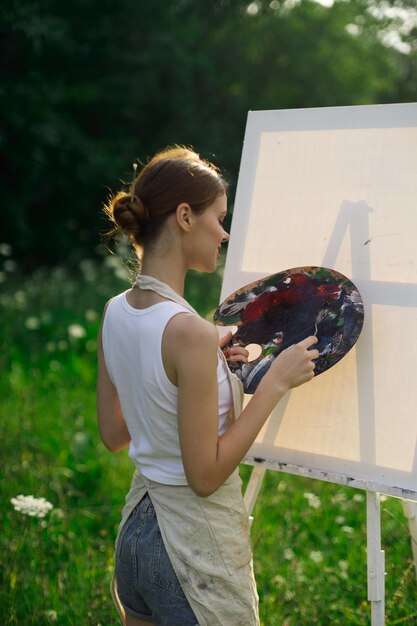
(337, 187)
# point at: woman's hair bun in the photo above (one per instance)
(129, 213)
(173, 176)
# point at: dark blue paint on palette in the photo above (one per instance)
(282, 309)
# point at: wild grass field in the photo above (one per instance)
(309, 537)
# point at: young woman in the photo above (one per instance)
(183, 554)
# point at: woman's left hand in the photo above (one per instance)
(234, 354)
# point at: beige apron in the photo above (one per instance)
(207, 539)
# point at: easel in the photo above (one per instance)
(266, 136)
(410, 511)
(375, 555)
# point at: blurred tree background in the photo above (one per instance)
(87, 87)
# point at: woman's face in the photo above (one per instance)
(207, 235)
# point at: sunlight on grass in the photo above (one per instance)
(309, 537)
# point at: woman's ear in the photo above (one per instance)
(184, 216)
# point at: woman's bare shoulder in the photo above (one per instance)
(188, 329)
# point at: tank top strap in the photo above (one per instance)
(149, 282)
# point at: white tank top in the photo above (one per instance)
(132, 345)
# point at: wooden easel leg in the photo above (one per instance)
(410, 511)
(376, 559)
(253, 487)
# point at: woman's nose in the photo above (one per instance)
(226, 237)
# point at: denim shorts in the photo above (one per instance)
(147, 585)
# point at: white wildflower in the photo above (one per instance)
(252, 8)
(20, 298)
(299, 572)
(348, 530)
(358, 497)
(313, 500)
(289, 595)
(344, 566)
(29, 505)
(32, 323)
(112, 261)
(51, 616)
(5, 249)
(91, 315)
(353, 29)
(289, 554)
(339, 497)
(316, 556)
(116, 264)
(340, 519)
(76, 331)
(122, 273)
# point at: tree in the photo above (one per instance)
(87, 87)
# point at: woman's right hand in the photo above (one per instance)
(294, 366)
(207, 458)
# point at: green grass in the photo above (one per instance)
(309, 550)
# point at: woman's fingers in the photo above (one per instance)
(308, 342)
(234, 354)
(311, 341)
(295, 365)
(237, 354)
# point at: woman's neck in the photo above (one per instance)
(165, 269)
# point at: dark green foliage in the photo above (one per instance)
(87, 87)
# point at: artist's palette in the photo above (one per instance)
(282, 309)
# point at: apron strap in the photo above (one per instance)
(153, 284)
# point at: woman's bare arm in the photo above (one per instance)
(111, 423)
(208, 460)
